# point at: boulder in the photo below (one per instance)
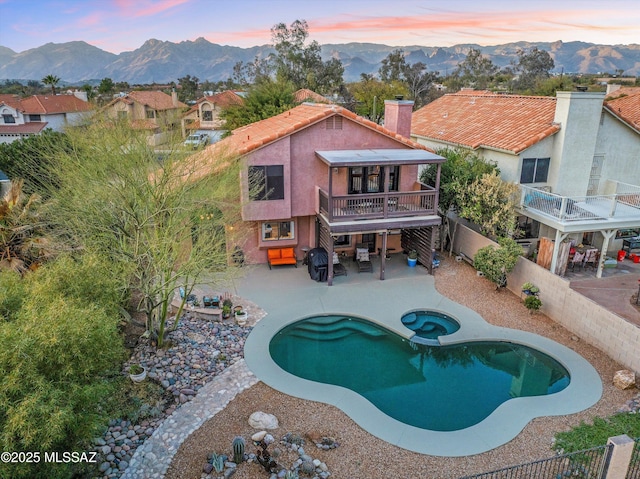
(262, 420)
(258, 436)
(624, 379)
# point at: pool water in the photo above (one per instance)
(429, 325)
(439, 388)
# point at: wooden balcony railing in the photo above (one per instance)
(394, 204)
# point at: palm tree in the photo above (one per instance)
(53, 81)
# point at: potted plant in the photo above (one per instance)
(227, 306)
(412, 258)
(137, 373)
(530, 289)
(241, 316)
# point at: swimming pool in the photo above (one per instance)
(371, 302)
(440, 388)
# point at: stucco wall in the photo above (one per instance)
(620, 146)
(592, 323)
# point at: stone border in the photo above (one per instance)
(153, 457)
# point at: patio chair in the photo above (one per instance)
(591, 258)
(578, 259)
(363, 260)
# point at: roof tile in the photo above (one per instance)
(484, 119)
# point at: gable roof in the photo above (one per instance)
(483, 119)
(46, 104)
(256, 135)
(304, 94)
(50, 104)
(223, 99)
(156, 100)
(261, 133)
(626, 106)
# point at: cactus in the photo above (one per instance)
(238, 449)
(308, 468)
(217, 461)
(291, 475)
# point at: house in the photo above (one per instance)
(330, 178)
(204, 116)
(23, 117)
(154, 111)
(575, 157)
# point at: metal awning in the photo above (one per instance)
(406, 156)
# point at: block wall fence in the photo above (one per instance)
(592, 323)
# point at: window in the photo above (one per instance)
(35, 118)
(369, 179)
(8, 119)
(122, 115)
(266, 182)
(151, 114)
(277, 230)
(342, 240)
(207, 115)
(534, 170)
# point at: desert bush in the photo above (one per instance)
(60, 359)
(496, 263)
(12, 292)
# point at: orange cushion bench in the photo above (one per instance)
(278, 256)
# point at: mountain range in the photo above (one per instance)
(159, 61)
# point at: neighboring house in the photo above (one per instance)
(23, 117)
(154, 111)
(204, 116)
(576, 157)
(330, 178)
(304, 94)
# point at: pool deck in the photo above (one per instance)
(288, 294)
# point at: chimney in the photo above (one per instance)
(397, 115)
(174, 97)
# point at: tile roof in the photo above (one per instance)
(46, 104)
(476, 119)
(155, 100)
(23, 129)
(251, 137)
(626, 106)
(50, 104)
(226, 98)
(304, 94)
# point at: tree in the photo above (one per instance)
(188, 88)
(117, 198)
(475, 71)
(462, 168)
(52, 81)
(532, 66)
(370, 94)
(300, 64)
(265, 99)
(491, 203)
(245, 74)
(415, 77)
(106, 86)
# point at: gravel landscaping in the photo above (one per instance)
(359, 454)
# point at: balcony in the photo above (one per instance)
(621, 208)
(375, 206)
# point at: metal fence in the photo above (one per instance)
(587, 464)
(634, 466)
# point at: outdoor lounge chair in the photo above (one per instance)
(363, 260)
(578, 259)
(591, 257)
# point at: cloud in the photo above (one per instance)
(147, 8)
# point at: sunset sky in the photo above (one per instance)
(124, 25)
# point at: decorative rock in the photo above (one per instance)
(263, 420)
(208, 467)
(624, 379)
(258, 436)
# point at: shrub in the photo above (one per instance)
(60, 359)
(532, 303)
(496, 263)
(12, 293)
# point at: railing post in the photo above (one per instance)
(614, 203)
(563, 208)
(617, 463)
